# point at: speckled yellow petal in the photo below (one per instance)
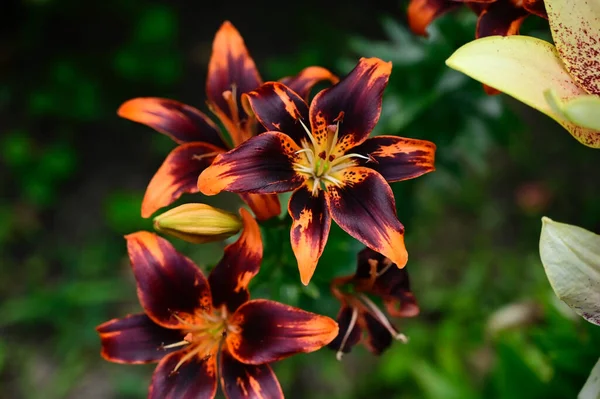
(582, 110)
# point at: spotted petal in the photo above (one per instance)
(271, 331)
(230, 278)
(170, 286)
(263, 164)
(398, 158)
(182, 123)
(178, 175)
(364, 207)
(307, 79)
(575, 27)
(310, 229)
(243, 381)
(524, 68)
(135, 339)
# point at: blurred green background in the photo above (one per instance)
(72, 176)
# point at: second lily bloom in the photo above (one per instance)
(323, 154)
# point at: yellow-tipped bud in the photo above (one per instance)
(198, 223)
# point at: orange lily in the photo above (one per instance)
(200, 330)
(231, 72)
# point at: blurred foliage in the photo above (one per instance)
(73, 176)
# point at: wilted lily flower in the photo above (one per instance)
(495, 17)
(198, 328)
(231, 72)
(198, 223)
(571, 258)
(375, 276)
(323, 154)
(563, 82)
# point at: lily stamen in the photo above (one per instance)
(203, 156)
(351, 325)
(378, 314)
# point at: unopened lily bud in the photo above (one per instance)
(198, 223)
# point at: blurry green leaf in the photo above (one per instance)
(591, 389)
(571, 258)
(16, 147)
(123, 212)
(156, 24)
(57, 161)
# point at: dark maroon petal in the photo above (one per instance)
(230, 278)
(364, 207)
(355, 101)
(136, 339)
(242, 381)
(178, 175)
(270, 331)
(536, 7)
(378, 337)
(263, 164)
(398, 158)
(195, 378)
(500, 18)
(278, 108)
(310, 229)
(169, 285)
(307, 79)
(182, 123)
(350, 332)
(422, 12)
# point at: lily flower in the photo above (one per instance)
(200, 330)
(561, 81)
(377, 276)
(231, 72)
(495, 17)
(323, 154)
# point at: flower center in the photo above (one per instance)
(204, 334)
(321, 162)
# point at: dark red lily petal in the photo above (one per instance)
(271, 331)
(178, 175)
(310, 229)
(182, 123)
(263, 164)
(170, 286)
(136, 339)
(422, 12)
(535, 7)
(349, 333)
(230, 278)
(398, 158)
(500, 18)
(264, 206)
(231, 72)
(355, 102)
(378, 337)
(377, 275)
(365, 208)
(195, 378)
(242, 381)
(307, 79)
(278, 108)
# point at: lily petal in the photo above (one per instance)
(355, 101)
(591, 388)
(307, 79)
(271, 331)
(583, 110)
(263, 164)
(349, 331)
(379, 338)
(422, 12)
(575, 27)
(365, 208)
(310, 229)
(524, 68)
(500, 18)
(135, 339)
(398, 158)
(195, 378)
(182, 123)
(264, 206)
(571, 258)
(230, 278)
(536, 7)
(178, 175)
(280, 109)
(231, 72)
(168, 283)
(240, 380)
